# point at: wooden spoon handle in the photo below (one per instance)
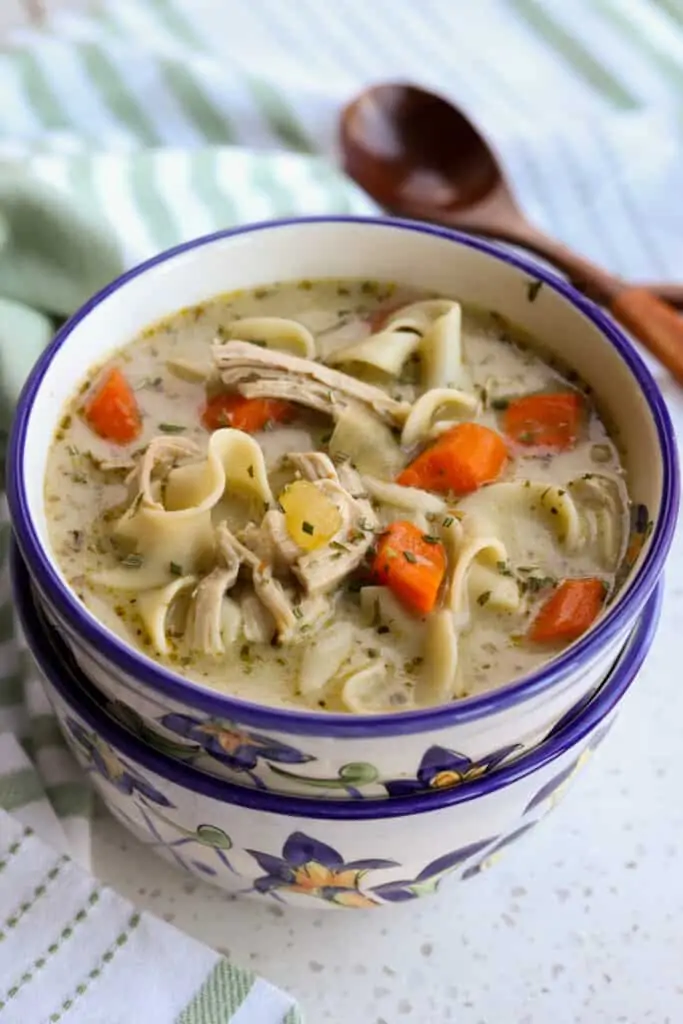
(653, 322)
(595, 282)
(656, 324)
(666, 291)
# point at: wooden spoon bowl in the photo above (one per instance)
(419, 156)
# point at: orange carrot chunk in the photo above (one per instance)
(248, 414)
(461, 460)
(550, 421)
(378, 318)
(112, 411)
(412, 564)
(569, 611)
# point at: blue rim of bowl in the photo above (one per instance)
(72, 686)
(314, 723)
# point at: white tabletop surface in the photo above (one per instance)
(580, 923)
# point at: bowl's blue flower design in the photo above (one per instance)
(312, 868)
(429, 878)
(554, 789)
(495, 851)
(350, 777)
(231, 745)
(104, 762)
(441, 768)
(207, 837)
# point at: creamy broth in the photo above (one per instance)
(266, 561)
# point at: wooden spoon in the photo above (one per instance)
(419, 156)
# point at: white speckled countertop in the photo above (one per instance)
(580, 923)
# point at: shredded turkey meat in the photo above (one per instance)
(318, 571)
(291, 586)
(257, 622)
(204, 627)
(313, 466)
(267, 373)
(117, 464)
(270, 542)
(162, 453)
(323, 570)
(291, 617)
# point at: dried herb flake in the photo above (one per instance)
(533, 288)
(132, 561)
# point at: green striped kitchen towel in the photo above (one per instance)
(73, 950)
(73, 221)
(582, 99)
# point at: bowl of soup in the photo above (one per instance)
(313, 499)
(318, 853)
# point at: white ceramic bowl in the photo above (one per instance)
(316, 853)
(341, 755)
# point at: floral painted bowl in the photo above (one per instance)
(317, 853)
(320, 754)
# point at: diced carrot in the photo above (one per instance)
(569, 611)
(550, 421)
(248, 414)
(112, 411)
(461, 460)
(378, 318)
(412, 564)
